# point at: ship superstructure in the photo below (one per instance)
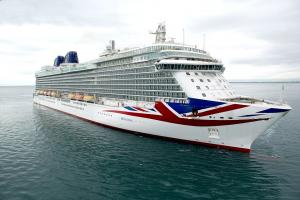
(165, 89)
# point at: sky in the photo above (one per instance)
(256, 40)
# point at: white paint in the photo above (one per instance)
(239, 135)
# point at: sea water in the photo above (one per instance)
(45, 154)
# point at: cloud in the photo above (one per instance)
(274, 24)
(255, 39)
(64, 12)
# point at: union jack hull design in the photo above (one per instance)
(218, 124)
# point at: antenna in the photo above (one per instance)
(204, 42)
(183, 36)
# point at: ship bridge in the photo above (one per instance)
(188, 65)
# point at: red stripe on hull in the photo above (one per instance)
(231, 148)
(168, 116)
(220, 110)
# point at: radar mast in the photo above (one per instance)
(160, 33)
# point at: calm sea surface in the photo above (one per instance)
(45, 154)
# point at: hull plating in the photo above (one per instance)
(229, 134)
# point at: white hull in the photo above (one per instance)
(236, 137)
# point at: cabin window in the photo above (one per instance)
(201, 80)
(198, 87)
(203, 94)
(187, 73)
(196, 74)
(207, 87)
(192, 80)
(208, 80)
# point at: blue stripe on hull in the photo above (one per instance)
(273, 110)
(129, 108)
(197, 104)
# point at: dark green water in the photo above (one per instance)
(45, 154)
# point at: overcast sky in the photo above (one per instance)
(255, 39)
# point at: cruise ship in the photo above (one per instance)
(166, 89)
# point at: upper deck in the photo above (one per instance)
(154, 52)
